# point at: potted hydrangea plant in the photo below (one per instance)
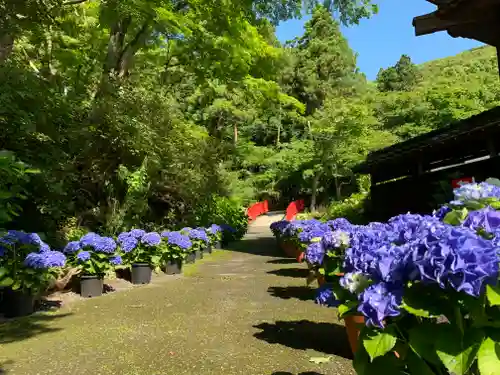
(94, 255)
(174, 250)
(27, 267)
(142, 251)
(214, 233)
(200, 240)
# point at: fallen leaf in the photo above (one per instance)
(319, 360)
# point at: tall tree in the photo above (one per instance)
(403, 76)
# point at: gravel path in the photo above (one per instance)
(244, 311)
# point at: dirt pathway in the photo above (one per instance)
(244, 311)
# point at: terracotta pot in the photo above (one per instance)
(300, 257)
(353, 325)
(321, 280)
(340, 274)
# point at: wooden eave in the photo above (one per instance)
(473, 19)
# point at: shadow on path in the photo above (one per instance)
(26, 327)
(302, 373)
(328, 338)
(303, 293)
(265, 246)
(291, 272)
(282, 261)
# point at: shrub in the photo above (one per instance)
(352, 208)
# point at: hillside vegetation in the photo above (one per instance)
(155, 112)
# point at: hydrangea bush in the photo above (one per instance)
(27, 263)
(93, 254)
(138, 246)
(425, 284)
(175, 247)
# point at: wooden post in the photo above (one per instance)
(498, 58)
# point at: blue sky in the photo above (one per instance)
(381, 40)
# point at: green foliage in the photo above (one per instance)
(223, 211)
(14, 176)
(352, 208)
(404, 76)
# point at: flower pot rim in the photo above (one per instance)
(141, 264)
(91, 277)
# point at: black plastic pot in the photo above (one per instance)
(173, 267)
(199, 254)
(191, 257)
(91, 286)
(208, 249)
(18, 303)
(124, 273)
(141, 273)
(218, 245)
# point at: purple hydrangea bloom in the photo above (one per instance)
(123, 236)
(128, 244)
(214, 228)
(116, 260)
(474, 191)
(179, 239)
(325, 296)
(44, 260)
(315, 253)
(105, 245)
(334, 240)
(462, 260)
(151, 239)
(380, 301)
(441, 213)
(339, 224)
(137, 233)
(307, 235)
(279, 227)
(89, 239)
(197, 234)
(83, 256)
(354, 282)
(228, 228)
(486, 218)
(72, 247)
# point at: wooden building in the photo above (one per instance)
(416, 175)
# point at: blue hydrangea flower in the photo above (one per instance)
(354, 282)
(198, 234)
(441, 213)
(123, 236)
(315, 253)
(486, 218)
(105, 245)
(279, 227)
(137, 233)
(128, 244)
(228, 228)
(325, 296)
(151, 239)
(334, 240)
(476, 192)
(116, 260)
(72, 247)
(83, 256)
(380, 301)
(214, 228)
(89, 239)
(45, 260)
(179, 239)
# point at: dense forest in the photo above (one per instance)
(156, 112)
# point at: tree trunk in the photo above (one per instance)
(314, 191)
(235, 129)
(6, 46)
(338, 188)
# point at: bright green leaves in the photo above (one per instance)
(488, 357)
(377, 342)
(456, 351)
(456, 217)
(493, 295)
